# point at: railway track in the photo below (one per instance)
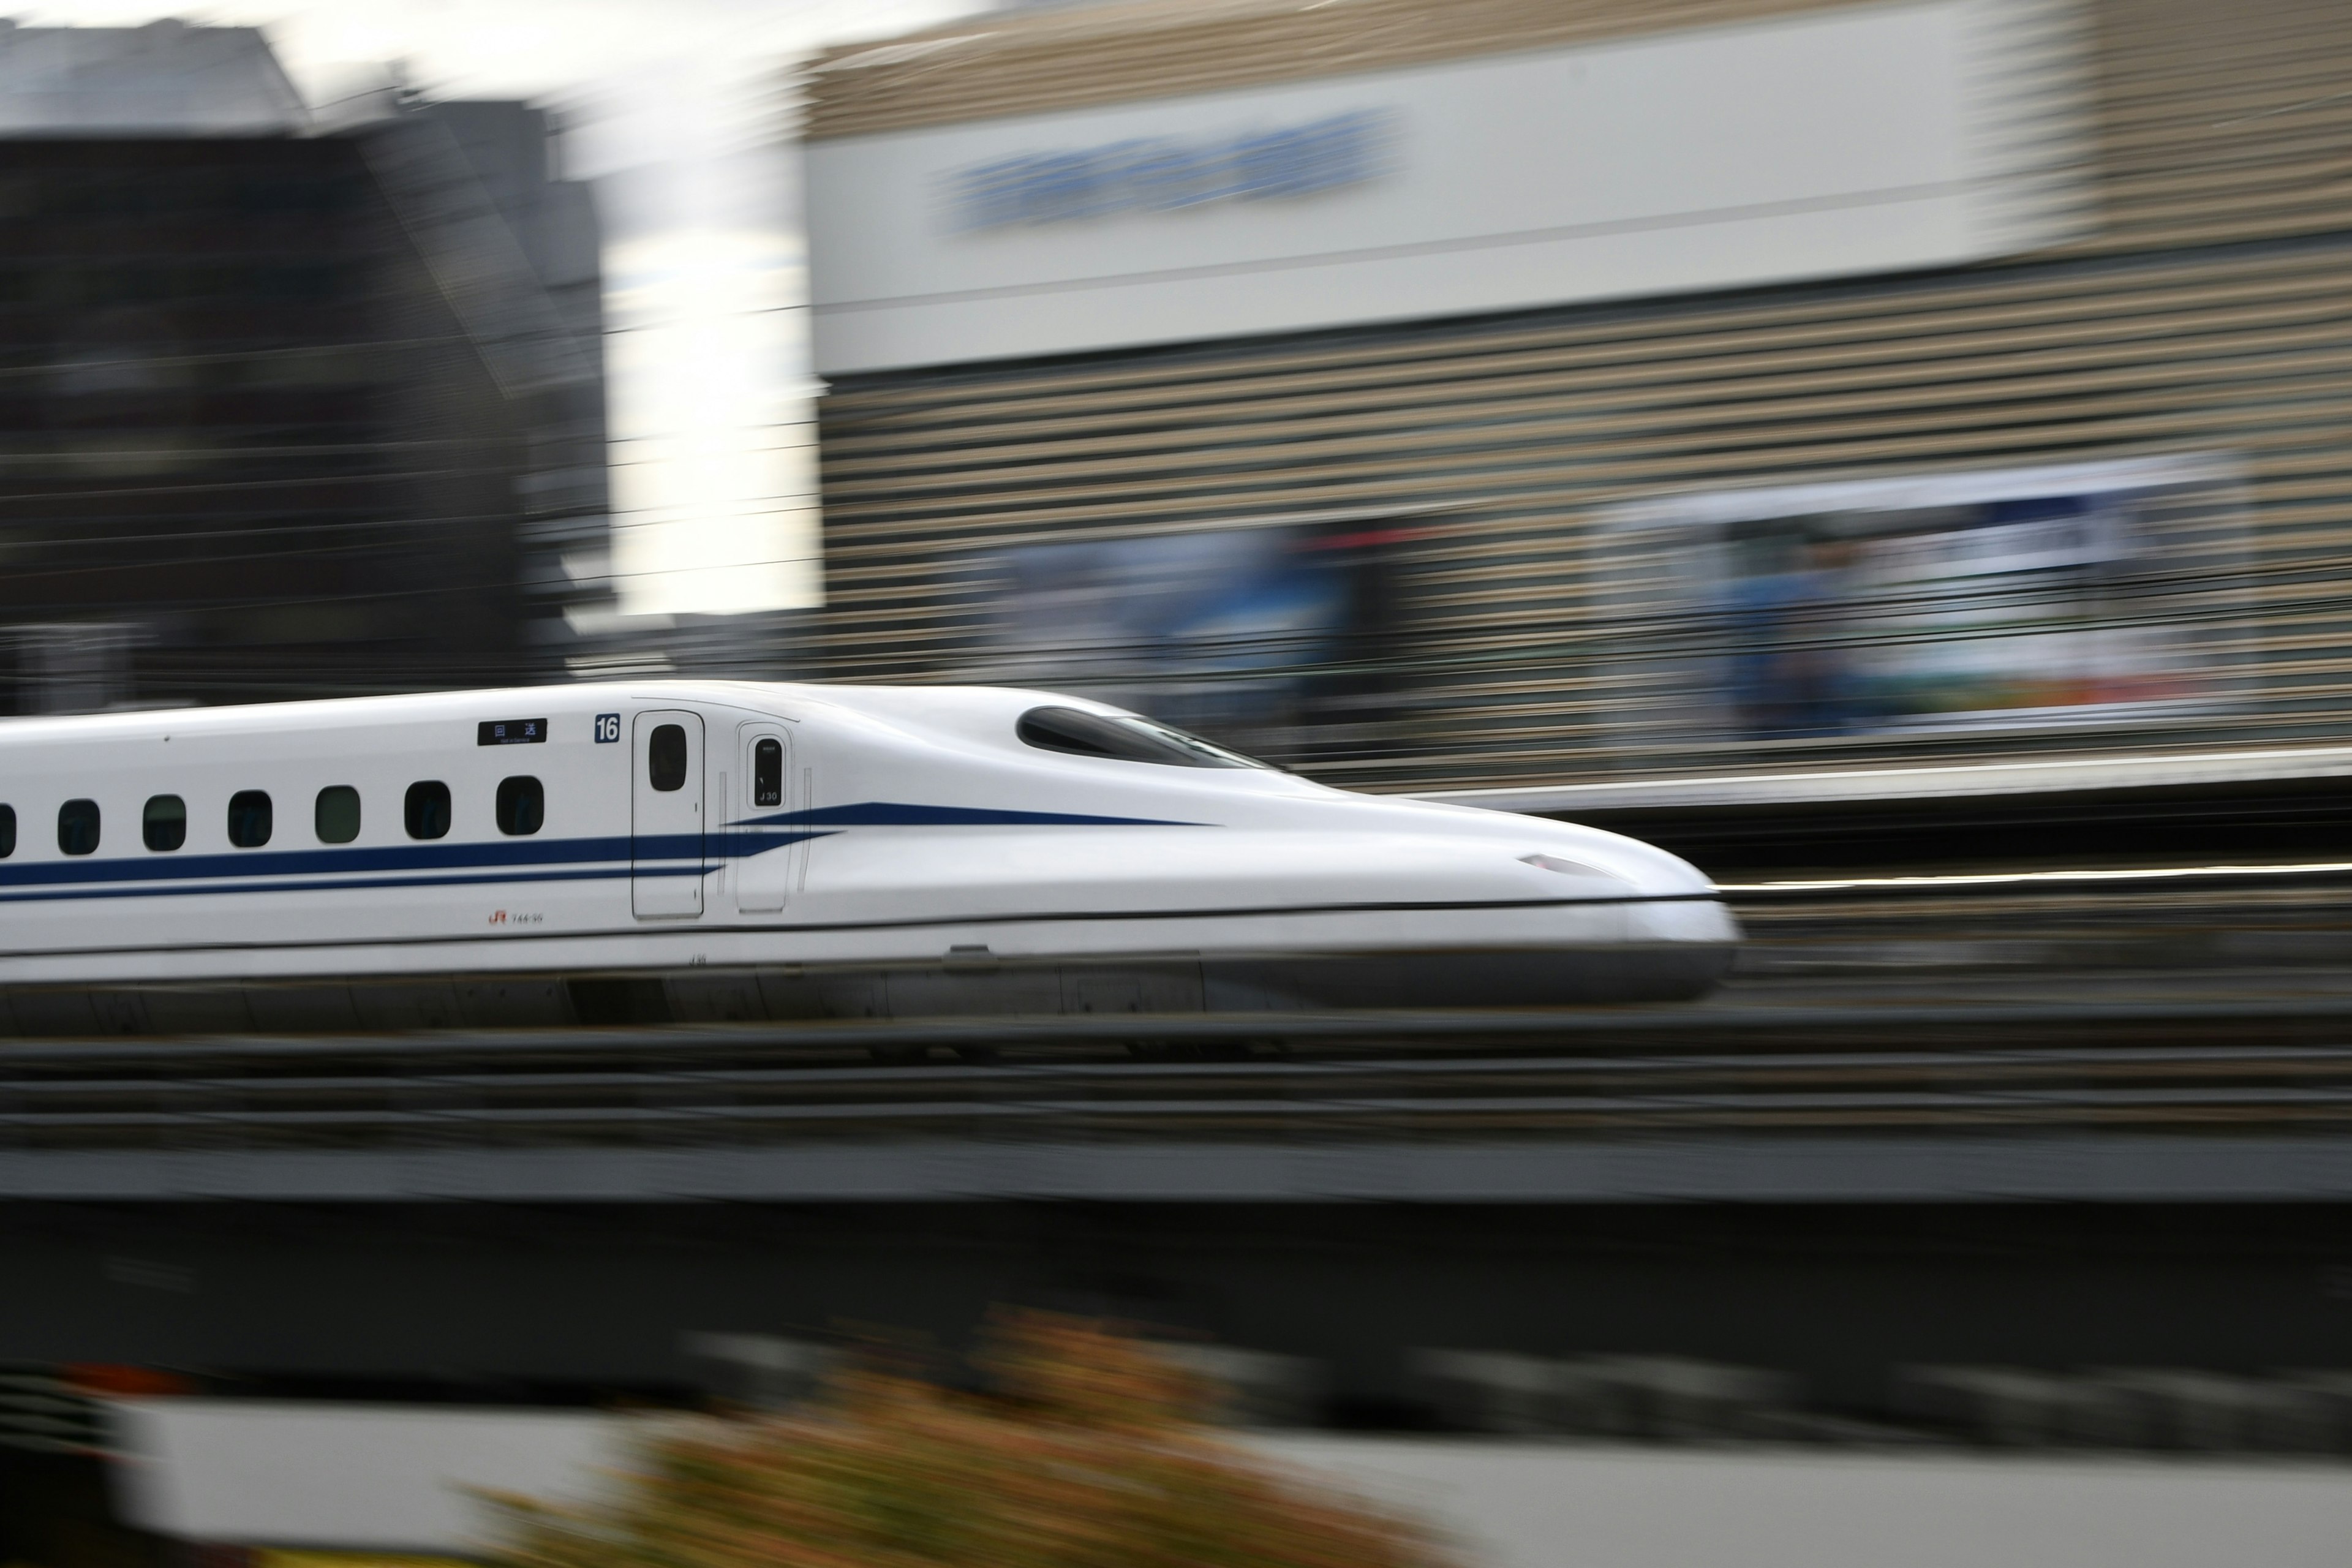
(1866, 1009)
(2284, 1064)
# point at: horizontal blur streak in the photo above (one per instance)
(216, 1468)
(2075, 505)
(306, 389)
(2004, 879)
(1893, 458)
(286, 413)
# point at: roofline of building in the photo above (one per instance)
(995, 66)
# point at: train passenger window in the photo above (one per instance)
(426, 810)
(248, 818)
(164, 824)
(522, 805)
(337, 814)
(7, 831)
(78, 828)
(666, 757)
(768, 773)
(1124, 737)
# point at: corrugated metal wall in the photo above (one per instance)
(2208, 309)
(994, 64)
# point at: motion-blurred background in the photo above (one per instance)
(1898, 456)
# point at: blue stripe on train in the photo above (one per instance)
(516, 852)
(622, 872)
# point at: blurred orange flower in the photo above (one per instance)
(1089, 1453)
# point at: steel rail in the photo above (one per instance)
(2087, 884)
(1875, 1108)
(1811, 1086)
(1994, 1062)
(1861, 1014)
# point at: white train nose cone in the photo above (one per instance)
(1686, 908)
(1645, 869)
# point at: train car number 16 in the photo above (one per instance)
(608, 729)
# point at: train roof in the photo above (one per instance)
(338, 712)
(983, 704)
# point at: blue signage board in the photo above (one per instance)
(1162, 174)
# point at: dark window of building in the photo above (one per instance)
(1124, 737)
(426, 810)
(768, 773)
(337, 814)
(78, 828)
(141, 268)
(522, 805)
(248, 818)
(7, 831)
(666, 757)
(164, 824)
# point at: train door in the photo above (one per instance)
(665, 815)
(764, 872)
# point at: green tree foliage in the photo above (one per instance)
(1088, 1454)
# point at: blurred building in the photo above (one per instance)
(747, 644)
(283, 411)
(1506, 390)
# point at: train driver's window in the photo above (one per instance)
(248, 818)
(337, 814)
(7, 831)
(666, 757)
(78, 828)
(768, 773)
(426, 810)
(522, 805)
(164, 824)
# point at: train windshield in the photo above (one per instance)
(1126, 737)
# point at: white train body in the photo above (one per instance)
(811, 851)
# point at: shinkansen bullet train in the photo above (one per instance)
(713, 851)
